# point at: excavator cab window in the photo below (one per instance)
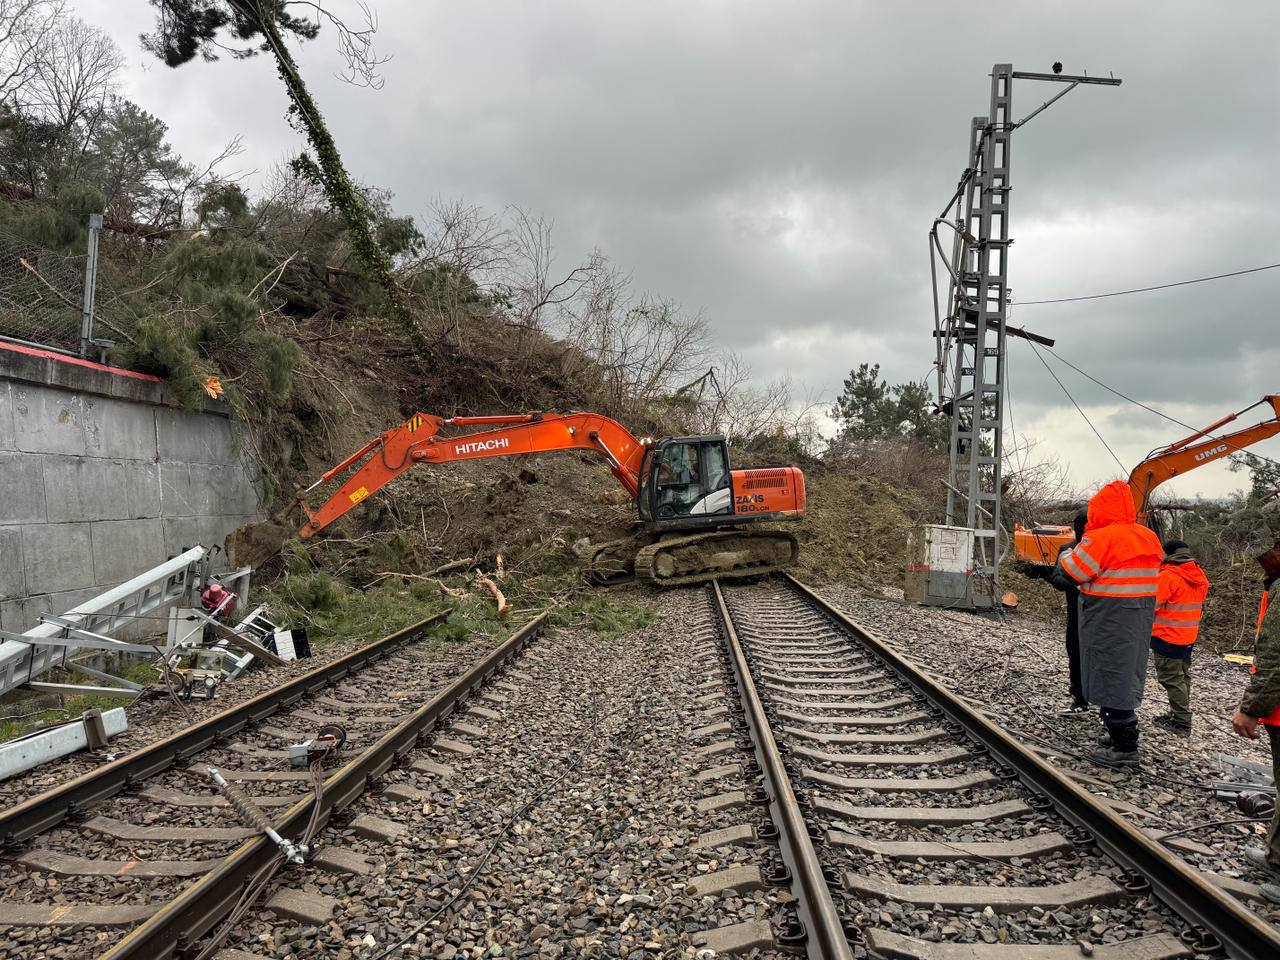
(685, 477)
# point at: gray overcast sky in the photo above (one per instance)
(777, 165)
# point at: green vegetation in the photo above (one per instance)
(185, 28)
(868, 409)
(73, 707)
(335, 612)
(609, 614)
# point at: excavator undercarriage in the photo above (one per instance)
(674, 560)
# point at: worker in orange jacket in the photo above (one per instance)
(1115, 567)
(1179, 603)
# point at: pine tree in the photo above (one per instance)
(869, 409)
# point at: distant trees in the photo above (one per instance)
(64, 127)
(25, 29)
(1264, 475)
(868, 409)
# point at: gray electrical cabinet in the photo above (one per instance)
(940, 566)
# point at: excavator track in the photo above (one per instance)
(612, 561)
(724, 554)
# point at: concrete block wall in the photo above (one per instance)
(102, 479)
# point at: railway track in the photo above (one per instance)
(144, 857)
(913, 826)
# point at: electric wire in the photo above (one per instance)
(1077, 406)
(1205, 826)
(260, 880)
(1159, 286)
(1148, 408)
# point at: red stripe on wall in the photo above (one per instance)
(76, 361)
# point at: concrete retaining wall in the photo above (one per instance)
(102, 477)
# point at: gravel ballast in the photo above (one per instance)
(1016, 668)
(597, 732)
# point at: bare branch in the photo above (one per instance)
(355, 44)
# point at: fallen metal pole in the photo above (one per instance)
(23, 660)
(40, 813)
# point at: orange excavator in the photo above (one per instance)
(698, 518)
(1040, 544)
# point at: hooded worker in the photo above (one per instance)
(1179, 603)
(1115, 566)
(1261, 705)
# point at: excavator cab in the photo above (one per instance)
(685, 482)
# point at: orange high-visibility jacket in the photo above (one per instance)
(1115, 567)
(1179, 602)
(1117, 557)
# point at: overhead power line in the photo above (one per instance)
(1125, 397)
(1084, 415)
(1149, 409)
(1161, 286)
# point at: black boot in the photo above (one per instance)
(1123, 750)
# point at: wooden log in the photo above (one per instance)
(504, 607)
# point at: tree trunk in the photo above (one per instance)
(340, 190)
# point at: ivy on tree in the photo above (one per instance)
(187, 28)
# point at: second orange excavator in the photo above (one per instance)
(1039, 544)
(698, 519)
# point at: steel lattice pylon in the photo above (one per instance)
(971, 354)
(978, 334)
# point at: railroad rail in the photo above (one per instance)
(816, 686)
(148, 927)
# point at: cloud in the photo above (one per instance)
(777, 166)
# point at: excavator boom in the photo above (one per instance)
(699, 519)
(1198, 449)
(1040, 544)
(417, 440)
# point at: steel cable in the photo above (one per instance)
(1159, 286)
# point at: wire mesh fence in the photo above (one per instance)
(41, 292)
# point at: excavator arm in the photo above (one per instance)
(1039, 545)
(1198, 449)
(417, 440)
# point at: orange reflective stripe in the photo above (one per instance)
(1179, 606)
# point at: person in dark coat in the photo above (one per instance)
(1260, 707)
(1079, 706)
(1116, 567)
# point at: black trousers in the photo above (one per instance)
(1273, 834)
(1073, 662)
